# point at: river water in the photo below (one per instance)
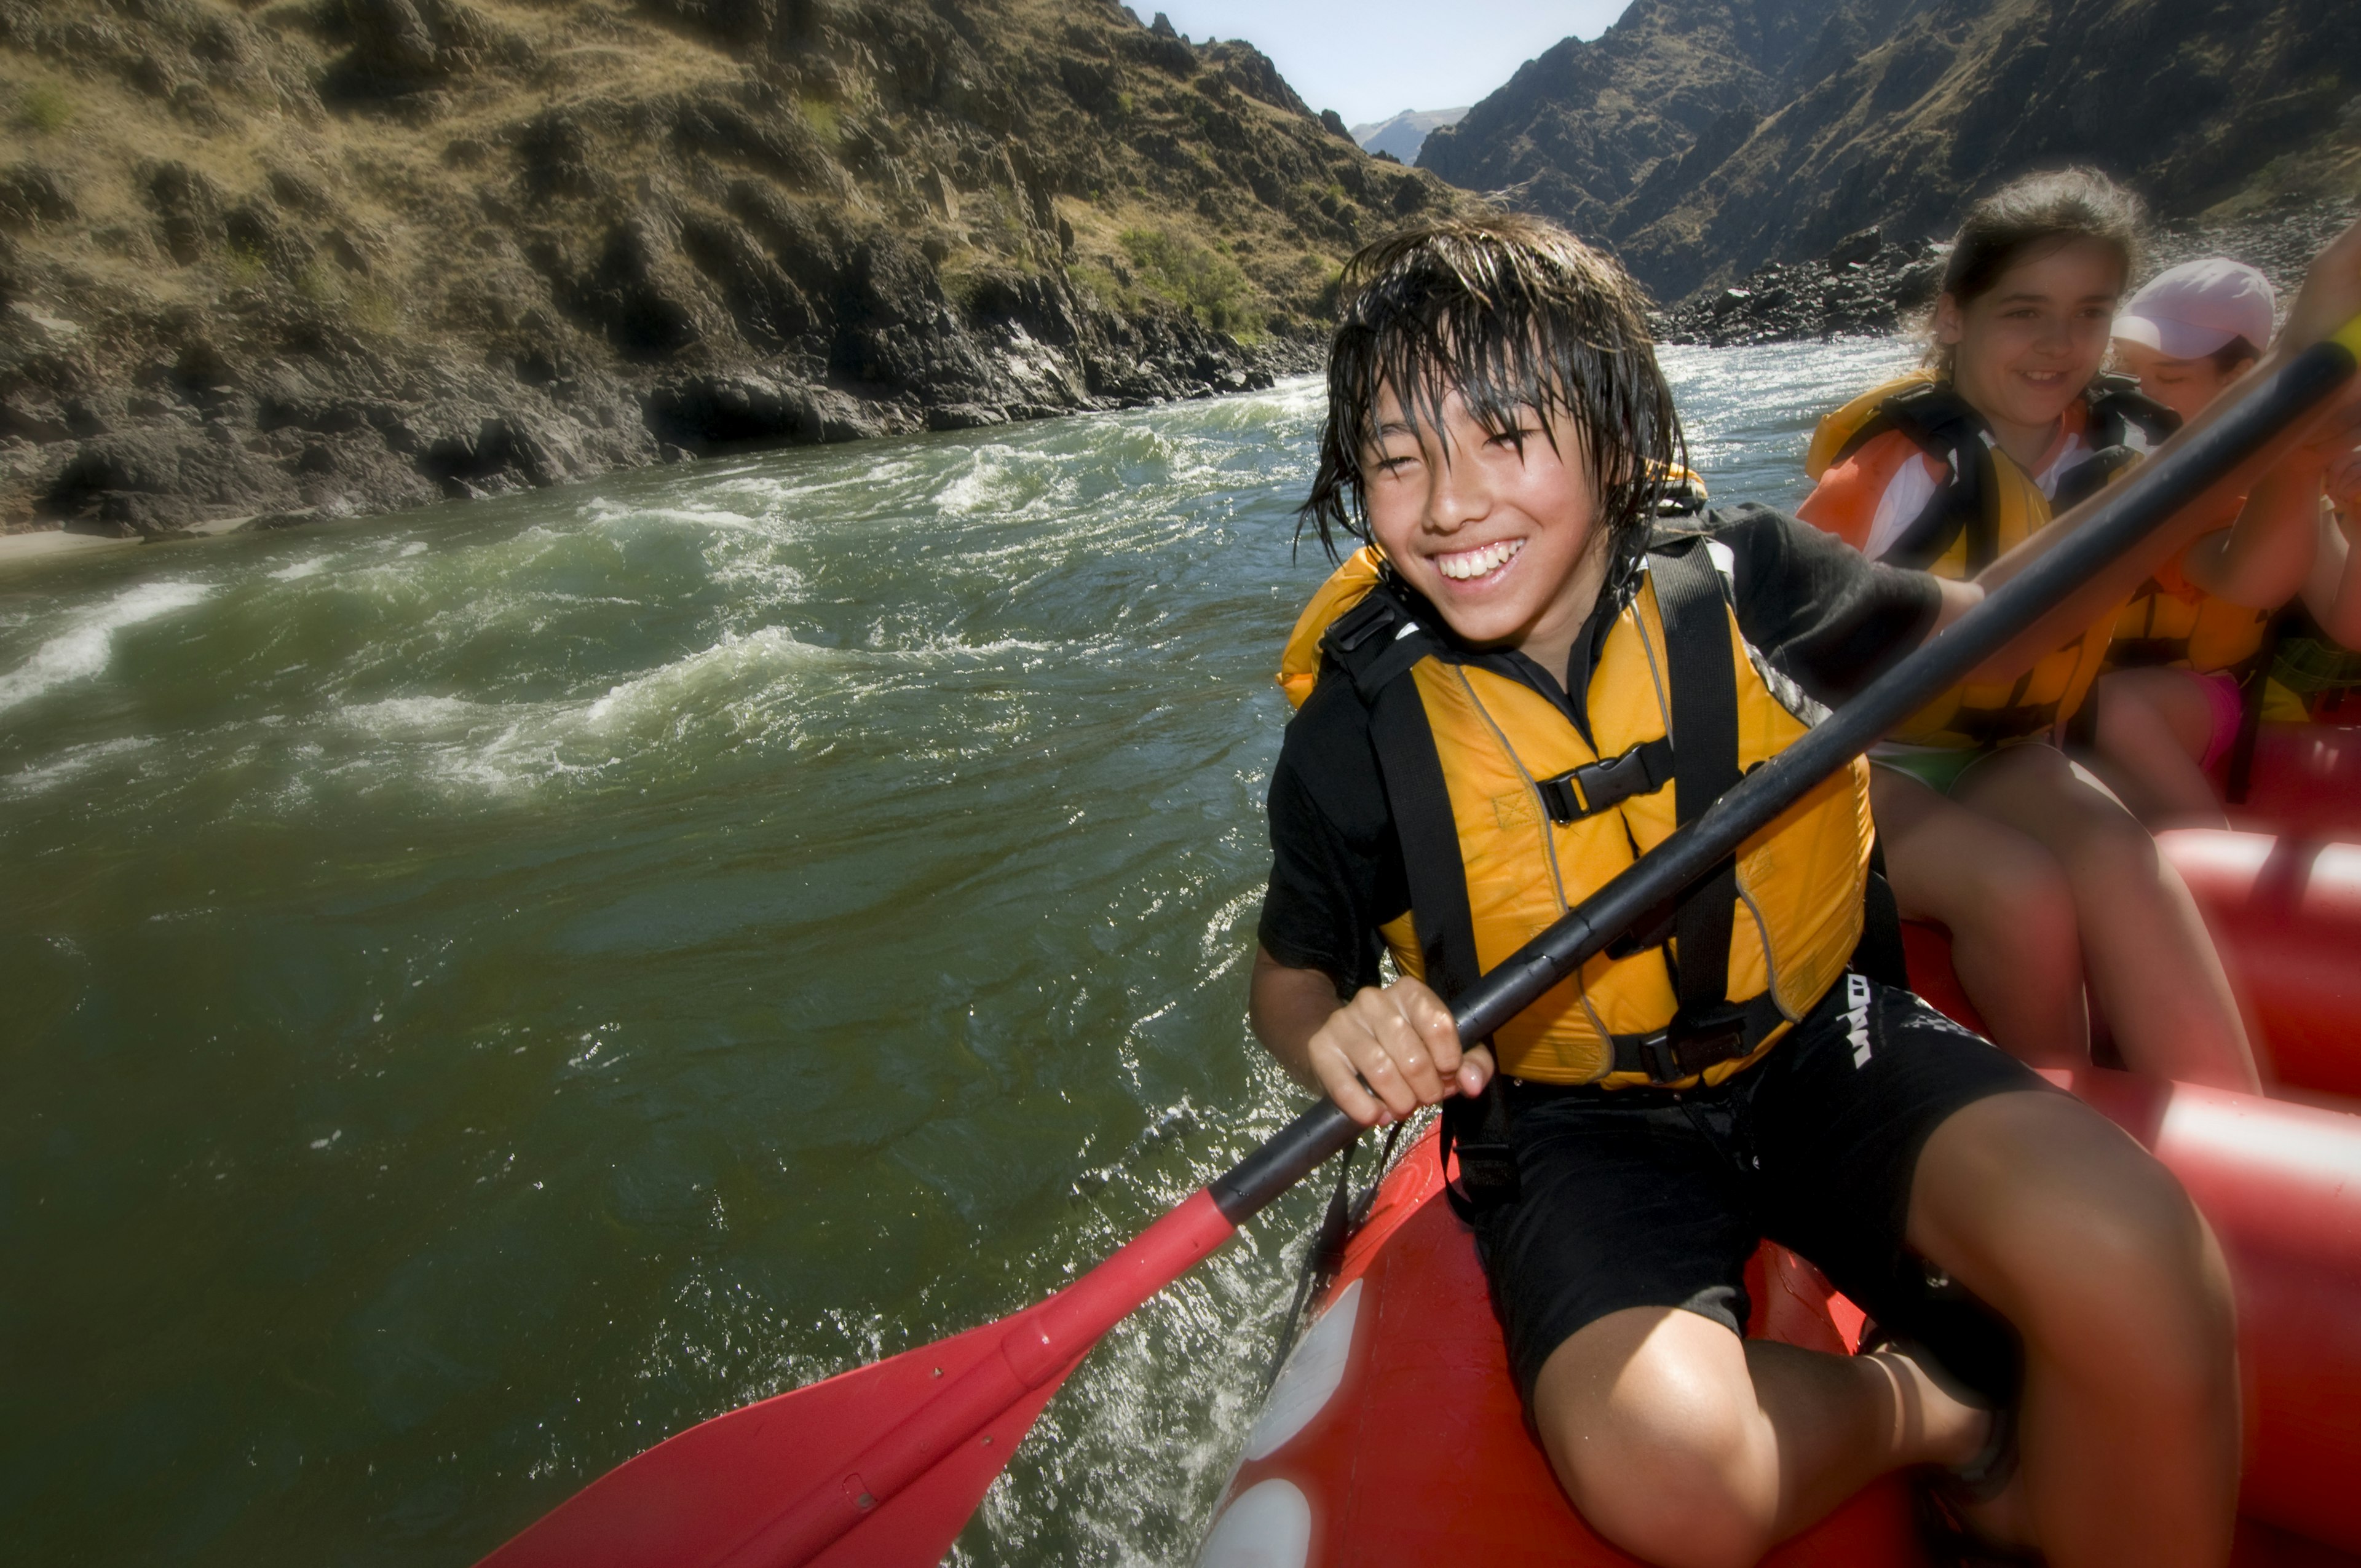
(485, 988)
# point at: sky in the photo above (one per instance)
(1370, 60)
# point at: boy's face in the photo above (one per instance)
(2028, 345)
(1503, 541)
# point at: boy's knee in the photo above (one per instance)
(1678, 1503)
(1673, 1466)
(2127, 1275)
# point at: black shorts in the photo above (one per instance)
(1650, 1197)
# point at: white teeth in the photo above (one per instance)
(1471, 563)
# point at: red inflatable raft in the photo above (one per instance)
(1404, 1362)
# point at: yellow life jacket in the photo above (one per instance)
(1985, 506)
(1507, 816)
(2182, 625)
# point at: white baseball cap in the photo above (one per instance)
(2189, 311)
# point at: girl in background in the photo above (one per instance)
(2041, 875)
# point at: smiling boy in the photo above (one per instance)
(1538, 684)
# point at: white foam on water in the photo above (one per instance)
(603, 512)
(72, 762)
(309, 566)
(669, 690)
(85, 648)
(985, 482)
(416, 715)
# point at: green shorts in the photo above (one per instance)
(1938, 768)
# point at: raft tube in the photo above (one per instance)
(2306, 780)
(2285, 911)
(1394, 1435)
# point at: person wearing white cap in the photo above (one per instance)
(2193, 329)
(2190, 644)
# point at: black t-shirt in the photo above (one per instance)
(1820, 612)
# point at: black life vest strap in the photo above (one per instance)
(1939, 422)
(1880, 954)
(1699, 668)
(1375, 643)
(2254, 682)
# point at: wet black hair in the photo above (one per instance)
(1511, 314)
(2040, 211)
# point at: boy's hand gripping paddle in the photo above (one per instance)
(881, 1466)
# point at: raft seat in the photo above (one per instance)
(1395, 1435)
(2306, 779)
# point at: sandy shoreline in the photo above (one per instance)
(51, 543)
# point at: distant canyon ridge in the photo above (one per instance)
(1703, 138)
(1401, 137)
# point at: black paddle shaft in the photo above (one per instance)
(2129, 513)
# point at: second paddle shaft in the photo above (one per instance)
(2127, 515)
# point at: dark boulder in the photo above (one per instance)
(161, 479)
(706, 413)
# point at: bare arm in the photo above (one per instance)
(2332, 593)
(2267, 557)
(2263, 559)
(1379, 1056)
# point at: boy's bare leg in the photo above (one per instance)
(1691, 1448)
(2154, 727)
(2150, 959)
(2009, 909)
(2129, 1425)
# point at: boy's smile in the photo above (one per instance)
(1499, 531)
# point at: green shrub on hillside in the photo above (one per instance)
(820, 115)
(1188, 273)
(46, 106)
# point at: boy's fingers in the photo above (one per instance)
(1430, 1017)
(1474, 1070)
(1344, 1087)
(1398, 1064)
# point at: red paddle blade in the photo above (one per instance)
(693, 1499)
(880, 1467)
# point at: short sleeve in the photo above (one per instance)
(1825, 615)
(1847, 501)
(1336, 872)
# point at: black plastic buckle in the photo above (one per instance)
(1363, 622)
(1592, 789)
(1671, 1055)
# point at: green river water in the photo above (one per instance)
(485, 988)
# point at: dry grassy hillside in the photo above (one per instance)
(340, 255)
